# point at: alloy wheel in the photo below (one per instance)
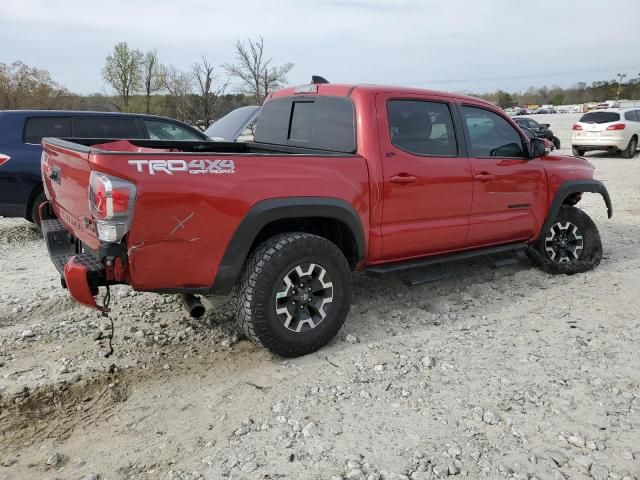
(304, 297)
(564, 243)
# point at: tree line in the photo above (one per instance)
(578, 93)
(141, 83)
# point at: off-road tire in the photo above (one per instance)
(630, 151)
(259, 282)
(577, 152)
(591, 252)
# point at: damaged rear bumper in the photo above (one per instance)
(82, 272)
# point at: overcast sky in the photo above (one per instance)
(457, 45)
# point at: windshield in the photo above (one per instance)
(232, 124)
(600, 117)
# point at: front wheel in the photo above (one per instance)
(571, 245)
(294, 294)
(556, 142)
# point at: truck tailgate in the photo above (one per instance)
(65, 173)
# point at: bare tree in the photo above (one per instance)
(256, 71)
(152, 76)
(208, 93)
(179, 84)
(122, 71)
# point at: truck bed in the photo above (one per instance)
(95, 145)
(191, 196)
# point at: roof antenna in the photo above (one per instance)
(318, 79)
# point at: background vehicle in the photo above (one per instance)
(22, 130)
(236, 126)
(611, 129)
(541, 129)
(340, 178)
(548, 145)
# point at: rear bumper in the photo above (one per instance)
(13, 210)
(81, 272)
(602, 143)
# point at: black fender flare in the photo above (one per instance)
(267, 211)
(575, 186)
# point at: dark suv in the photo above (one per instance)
(21, 131)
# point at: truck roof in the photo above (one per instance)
(346, 90)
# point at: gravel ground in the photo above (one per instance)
(490, 373)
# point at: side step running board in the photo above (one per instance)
(382, 270)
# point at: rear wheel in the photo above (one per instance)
(556, 142)
(571, 245)
(578, 152)
(294, 294)
(35, 208)
(630, 151)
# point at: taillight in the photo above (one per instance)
(576, 127)
(4, 159)
(111, 201)
(616, 126)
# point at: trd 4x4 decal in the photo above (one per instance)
(194, 167)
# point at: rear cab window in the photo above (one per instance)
(36, 128)
(422, 127)
(600, 117)
(319, 123)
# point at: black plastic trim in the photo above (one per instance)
(268, 211)
(381, 270)
(575, 186)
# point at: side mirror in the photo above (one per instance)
(537, 148)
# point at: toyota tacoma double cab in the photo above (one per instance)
(339, 178)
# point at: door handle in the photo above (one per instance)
(403, 179)
(484, 176)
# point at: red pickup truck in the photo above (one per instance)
(339, 178)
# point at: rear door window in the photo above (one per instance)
(490, 135)
(421, 127)
(111, 127)
(159, 130)
(37, 127)
(600, 117)
(632, 115)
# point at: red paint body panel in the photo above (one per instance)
(75, 276)
(182, 223)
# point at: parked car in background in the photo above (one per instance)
(541, 129)
(236, 126)
(518, 111)
(614, 130)
(548, 145)
(21, 131)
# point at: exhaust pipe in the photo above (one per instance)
(193, 305)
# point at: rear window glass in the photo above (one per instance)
(423, 128)
(322, 123)
(111, 127)
(38, 127)
(600, 117)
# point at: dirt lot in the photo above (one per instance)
(491, 373)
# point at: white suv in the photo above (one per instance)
(615, 130)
